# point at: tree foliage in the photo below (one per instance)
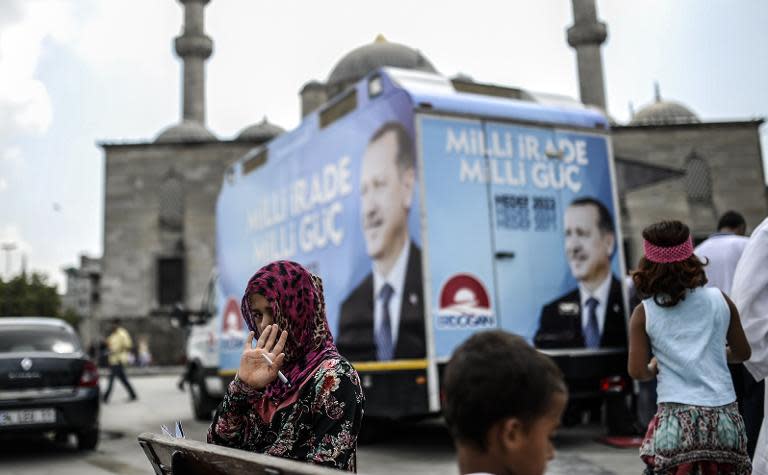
(29, 295)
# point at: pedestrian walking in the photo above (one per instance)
(119, 344)
(503, 403)
(294, 395)
(750, 293)
(697, 427)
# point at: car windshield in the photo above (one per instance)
(15, 339)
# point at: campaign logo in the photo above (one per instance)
(464, 303)
(232, 324)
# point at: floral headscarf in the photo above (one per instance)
(298, 306)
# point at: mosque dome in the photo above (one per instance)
(664, 113)
(360, 61)
(185, 132)
(264, 131)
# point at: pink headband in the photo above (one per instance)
(665, 255)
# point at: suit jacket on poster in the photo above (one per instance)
(560, 324)
(355, 338)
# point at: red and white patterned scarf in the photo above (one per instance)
(298, 306)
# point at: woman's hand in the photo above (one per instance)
(254, 369)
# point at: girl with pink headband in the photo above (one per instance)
(697, 427)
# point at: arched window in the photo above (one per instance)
(698, 180)
(172, 202)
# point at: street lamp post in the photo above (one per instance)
(8, 247)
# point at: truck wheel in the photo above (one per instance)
(202, 404)
(88, 439)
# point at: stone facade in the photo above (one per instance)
(83, 294)
(719, 168)
(144, 223)
(83, 288)
(160, 208)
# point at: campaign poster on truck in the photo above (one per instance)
(342, 200)
(428, 227)
(521, 234)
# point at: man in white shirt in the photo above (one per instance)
(383, 317)
(750, 294)
(723, 249)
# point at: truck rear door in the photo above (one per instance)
(535, 174)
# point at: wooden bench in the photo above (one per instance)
(189, 457)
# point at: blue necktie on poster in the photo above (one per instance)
(384, 346)
(592, 329)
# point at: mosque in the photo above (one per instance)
(160, 195)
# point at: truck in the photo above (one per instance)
(433, 209)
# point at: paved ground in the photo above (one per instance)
(424, 448)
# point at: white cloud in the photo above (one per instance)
(119, 33)
(10, 155)
(10, 162)
(9, 12)
(25, 106)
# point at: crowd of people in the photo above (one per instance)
(503, 400)
(695, 311)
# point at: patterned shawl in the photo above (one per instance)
(298, 306)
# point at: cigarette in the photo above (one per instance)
(279, 373)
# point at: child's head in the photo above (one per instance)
(669, 268)
(503, 401)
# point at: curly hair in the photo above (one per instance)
(668, 283)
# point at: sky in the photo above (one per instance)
(74, 73)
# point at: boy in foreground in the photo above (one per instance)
(503, 403)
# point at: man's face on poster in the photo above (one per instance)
(587, 247)
(386, 194)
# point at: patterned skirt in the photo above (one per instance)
(684, 439)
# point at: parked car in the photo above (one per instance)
(47, 382)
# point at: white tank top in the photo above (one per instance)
(689, 341)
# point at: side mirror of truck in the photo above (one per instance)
(182, 316)
(201, 317)
(179, 315)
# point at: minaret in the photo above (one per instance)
(586, 35)
(194, 47)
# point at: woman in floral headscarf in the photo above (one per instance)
(314, 413)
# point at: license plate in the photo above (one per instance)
(27, 417)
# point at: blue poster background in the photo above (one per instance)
(248, 204)
(495, 197)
